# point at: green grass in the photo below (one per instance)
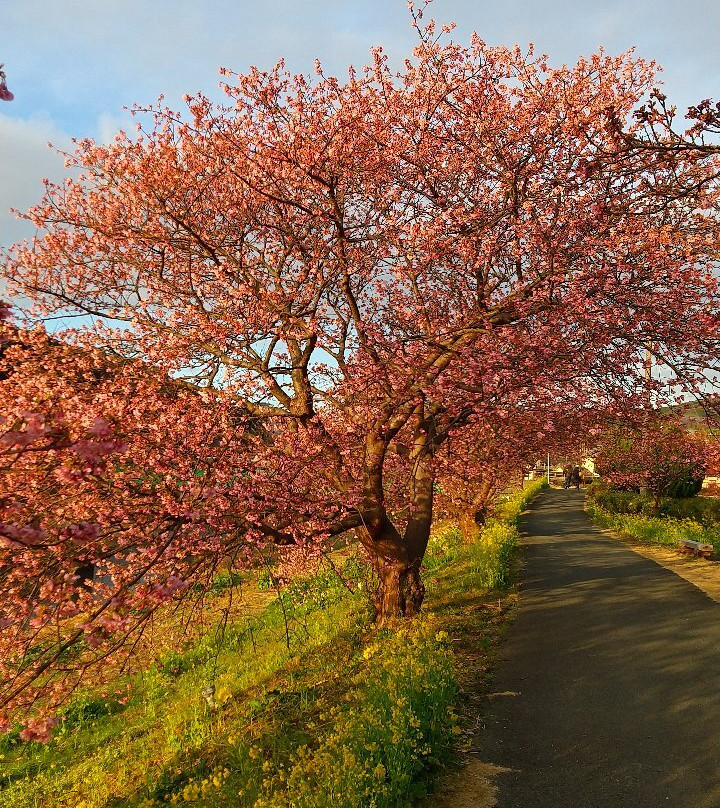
(634, 517)
(663, 531)
(274, 672)
(314, 707)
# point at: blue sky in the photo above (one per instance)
(74, 64)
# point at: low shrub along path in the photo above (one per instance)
(607, 690)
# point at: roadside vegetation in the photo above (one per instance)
(302, 703)
(665, 522)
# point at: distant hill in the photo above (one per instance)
(699, 415)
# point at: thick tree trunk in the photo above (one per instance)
(400, 591)
(397, 558)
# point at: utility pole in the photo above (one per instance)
(648, 371)
(648, 378)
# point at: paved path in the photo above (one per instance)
(608, 693)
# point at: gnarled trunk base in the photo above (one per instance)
(400, 591)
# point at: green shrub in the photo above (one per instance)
(86, 709)
(686, 483)
(705, 510)
(226, 579)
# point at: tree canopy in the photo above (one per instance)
(365, 267)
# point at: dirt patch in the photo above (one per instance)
(473, 786)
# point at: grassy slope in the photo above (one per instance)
(315, 708)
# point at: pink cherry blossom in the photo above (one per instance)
(334, 298)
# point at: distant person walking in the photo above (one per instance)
(575, 477)
(567, 473)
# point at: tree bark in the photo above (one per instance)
(400, 591)
(396, 558)
(473, 516)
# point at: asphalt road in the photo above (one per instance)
(608, 691)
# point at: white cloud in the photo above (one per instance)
(108, 125)
(26, 160)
